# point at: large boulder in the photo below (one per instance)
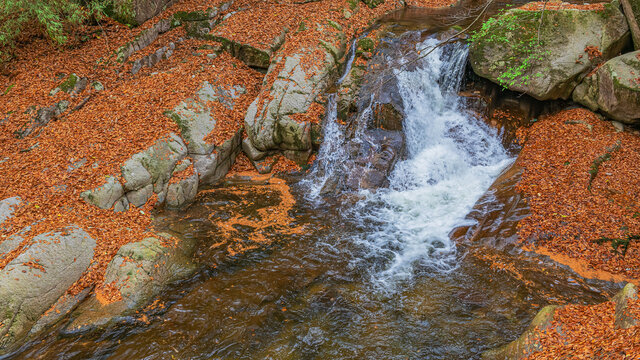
(37, 278)
(144, 174)
(571, 43)
(139, 272)
(135, 12)
(270, 121)
(614, 89)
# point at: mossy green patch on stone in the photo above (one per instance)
(69, 84)
(366, 44)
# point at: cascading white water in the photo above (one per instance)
(452, 158)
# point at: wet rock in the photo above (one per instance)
(614, 89)
(140, 271)
(294, 90)
(35, 280)
(557, 67)
(213, 167)
(106, 195)
(388, 116)
(529, 342)
(8, 206)
(377, 158)
(623, 318)
(183, 192)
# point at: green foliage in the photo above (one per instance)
(516, 30)
(55, 17)
(619, 242)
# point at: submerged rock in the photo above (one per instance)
(36, 279)
(614, 89)
(507, 50)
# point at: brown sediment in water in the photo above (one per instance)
(263, 223)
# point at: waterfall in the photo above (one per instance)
(451, 160)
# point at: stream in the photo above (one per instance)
(418, 270)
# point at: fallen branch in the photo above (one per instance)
(633, 23)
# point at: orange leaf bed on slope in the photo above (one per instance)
(568, 215)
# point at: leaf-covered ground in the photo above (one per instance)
(582, 181)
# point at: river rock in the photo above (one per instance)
(7, 207)
(106, 195)
(528, 343)
(183, 192)
(213, 167)
(614, 89)
(623, 318)
(139, 271)
(269, 122)
(32, 282)
(377, 157)
(552, 70)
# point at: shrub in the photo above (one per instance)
(54, 17)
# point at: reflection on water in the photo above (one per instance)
(305, 296)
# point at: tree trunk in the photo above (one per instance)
(633, 24)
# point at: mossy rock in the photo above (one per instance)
(614, 89)
(507, 50)
(372, 4)
(528, 343)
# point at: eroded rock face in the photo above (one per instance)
(270, 121)
(35, 280)
(529, 342)
(135, 12)
(139, 271)
(146, 173)
(195, 118)
(570, 41)
(614, 89)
